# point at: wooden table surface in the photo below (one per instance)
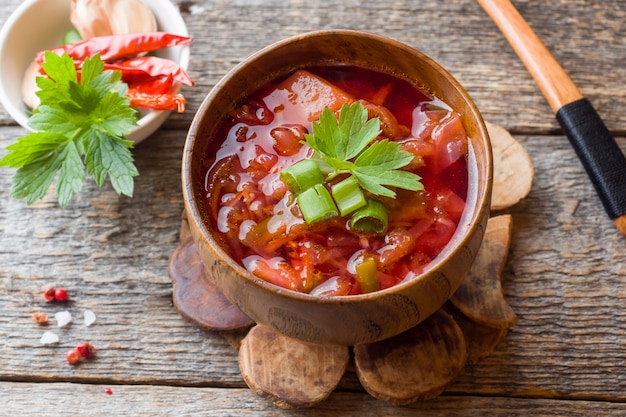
(565, 276)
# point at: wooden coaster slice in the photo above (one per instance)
(481, 341)
(480, 295)
(513, 169)
(290, 373)
(415, 365)
(195, 296)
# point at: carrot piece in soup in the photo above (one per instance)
(276, 271)
(334, 286)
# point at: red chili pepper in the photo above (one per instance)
(149, 85)
(152, 66)
(156, 101)
(117, 46)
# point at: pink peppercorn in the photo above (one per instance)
(60, 294)
(73, 356)
(49, 293)
(85, 350)
(40, 318)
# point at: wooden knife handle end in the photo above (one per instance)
(620, 223)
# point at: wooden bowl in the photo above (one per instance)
(345, 320)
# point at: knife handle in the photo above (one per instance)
(597, 150)
(599, 153)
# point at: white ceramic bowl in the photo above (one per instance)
(37, 25)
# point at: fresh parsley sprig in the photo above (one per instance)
(79, 125)
(345, 146)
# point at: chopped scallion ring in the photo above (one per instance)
(348, 196)
(371, 218)
(302, 176)
(316, 204)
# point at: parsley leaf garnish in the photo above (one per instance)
(344, 146)
(80, 126)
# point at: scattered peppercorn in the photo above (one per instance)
(55, 294)
(85, 349)
(73, 356)
(49, 293)
(60, 294)
(40, 318)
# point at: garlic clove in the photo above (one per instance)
(29, 86)
(111, 17)
(132, 16)
(90, 18)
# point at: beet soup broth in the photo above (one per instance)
(256, 218)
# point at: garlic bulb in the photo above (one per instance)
(111, 17)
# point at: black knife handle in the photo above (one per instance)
(599, 153)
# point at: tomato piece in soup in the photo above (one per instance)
(301, 97)
(450, 140)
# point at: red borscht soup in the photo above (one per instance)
(254, 211)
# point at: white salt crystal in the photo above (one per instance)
(49, 338)
(90, 317)
(63, 318)
(196, 9)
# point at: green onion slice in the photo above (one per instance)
(316, 204)
(367, 275)
(348, 196)
(302, 176)
(371, 218)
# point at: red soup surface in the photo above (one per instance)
(256, 216)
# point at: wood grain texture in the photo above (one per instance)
(564, 277)
(42, 400)
(553, 80)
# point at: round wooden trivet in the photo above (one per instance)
(290, 373)
(513, 170)
(480, 295)
(415, 365)
(193, 291)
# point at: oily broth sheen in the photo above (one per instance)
(257, 219)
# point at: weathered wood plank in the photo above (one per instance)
(564, 277)
(40, 400)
